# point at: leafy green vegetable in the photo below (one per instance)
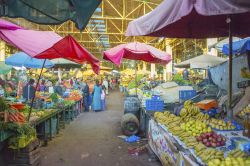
(3, 105)
(179, 80)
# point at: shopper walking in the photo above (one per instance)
(97, 97)
(106, 85)
(85, 91)
(103, 98)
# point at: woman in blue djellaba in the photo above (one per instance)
(97, 105)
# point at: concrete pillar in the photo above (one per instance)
(212, 51)
(153, 72)
(2, 50)
(167, 73)
(144, 67)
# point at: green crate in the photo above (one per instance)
(4, 135)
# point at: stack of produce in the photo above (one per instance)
(15, 116)
(74, 96)
(208, 154)
(211, 139)
(231, 161)
(191, 111)
(195, 128)
(221, 124)
(244, 112)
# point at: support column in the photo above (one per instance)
(2, 50)
(144, 67)
(210, 42)
(153, 73)
(167, 73)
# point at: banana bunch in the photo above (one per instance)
(190, 142)
(188, 103)
(202, 117)
(207, 154)
(237, 153)
(189, 109)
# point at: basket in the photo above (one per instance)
(154, 105)
(18, 106)
(186, 95)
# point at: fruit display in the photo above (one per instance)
(208, 154)
(191, 112)
(230, 161)
(196, 128)
(244, 112)
(220, 124)
(237, 153)
(211, 139)
(189, 109)
(74, 95)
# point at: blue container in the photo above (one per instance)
(154, 105)
(186, 94)
(155, 97)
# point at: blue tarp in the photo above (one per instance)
(239, 47)
(21, 59)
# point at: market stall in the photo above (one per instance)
(195, 138)
(50, 114)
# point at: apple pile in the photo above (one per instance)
(211, 139)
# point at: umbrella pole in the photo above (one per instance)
(32, 101)
(230, 71)
(136, 84)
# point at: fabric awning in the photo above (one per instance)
(201, 62)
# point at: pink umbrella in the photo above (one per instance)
(197, 19)
(45, 45)
(136, 51)
(38, 43)
(194, 19)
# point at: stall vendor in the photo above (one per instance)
(29, 90)
(58, 89)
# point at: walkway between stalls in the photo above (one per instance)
(91, 140)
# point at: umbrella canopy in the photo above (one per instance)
(21, 59)
(219, 45)
(46, 45)
(51, 12)
(194, 19)
(201, 62)
(64, 63)
(239, 47)
(136, 51)
(69, 48)
(4, 69)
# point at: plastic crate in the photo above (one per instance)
(154, 105)
(155, 97)
(186, 95)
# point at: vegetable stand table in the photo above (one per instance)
(47, 125)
